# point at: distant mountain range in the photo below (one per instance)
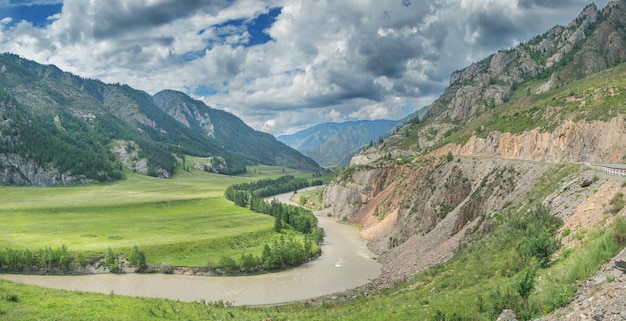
(58, 128)
(333, 144)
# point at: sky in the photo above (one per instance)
(280, 65)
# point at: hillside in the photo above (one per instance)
(58, 128)
(230, 133)
(333, 144)
(512, 132)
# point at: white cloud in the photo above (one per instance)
(328, 60)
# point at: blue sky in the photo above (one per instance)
(280, 65)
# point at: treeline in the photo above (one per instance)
(60, 260)
(252, 195)
(239, 193)
(279, 255)
(47, 259)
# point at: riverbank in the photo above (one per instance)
(346, 263)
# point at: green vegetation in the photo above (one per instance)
(283, 253)
(181, 221)
(243, 193)
(617, 203)
(483, 278)
(311, 199)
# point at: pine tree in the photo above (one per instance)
(278, 223)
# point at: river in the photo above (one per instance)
(345, 263)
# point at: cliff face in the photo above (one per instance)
(571, 142)
(15, 170)
(417, 214)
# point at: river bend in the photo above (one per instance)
(345, 263)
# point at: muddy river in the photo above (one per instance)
(345, 263)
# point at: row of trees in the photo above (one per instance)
(281, 254)
(267, 187)
(60, 260)
(45, 259)
(252, 195)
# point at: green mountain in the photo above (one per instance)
(230, 133)
(333, 144)
(58, 128)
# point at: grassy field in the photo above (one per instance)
(475, 285)
(184, 220)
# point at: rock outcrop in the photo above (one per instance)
(15, 170)
(416, 215)
(570, 142)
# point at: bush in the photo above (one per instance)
(541, 247)
(228, 264)
(12, 298)
(617, 203)
(526, 283)
(619, 231)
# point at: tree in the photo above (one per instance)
(134, 255)
(110, 260)
(141, 261)
(526, 283)
(278, 223)
(248, 262)
(449, 157)
(227, 263)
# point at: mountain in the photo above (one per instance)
(515, 150)
(58, 128)
(230, 133)
(332, 144)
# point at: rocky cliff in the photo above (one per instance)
(416, 215)
(570, 142)
(16, 170)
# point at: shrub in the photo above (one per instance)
(619, 231)
(617, 203)
(526, 283)
(12, 298)
(541, 247)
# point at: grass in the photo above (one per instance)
(180, 221)
(477, 282)
(311, 199)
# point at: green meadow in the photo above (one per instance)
(184, 220)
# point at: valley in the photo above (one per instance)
(487, 203)
(195, 224)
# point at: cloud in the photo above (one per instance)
(27, 3)
(319, 61)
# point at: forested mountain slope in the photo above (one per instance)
(58, 128)
(230, 133)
